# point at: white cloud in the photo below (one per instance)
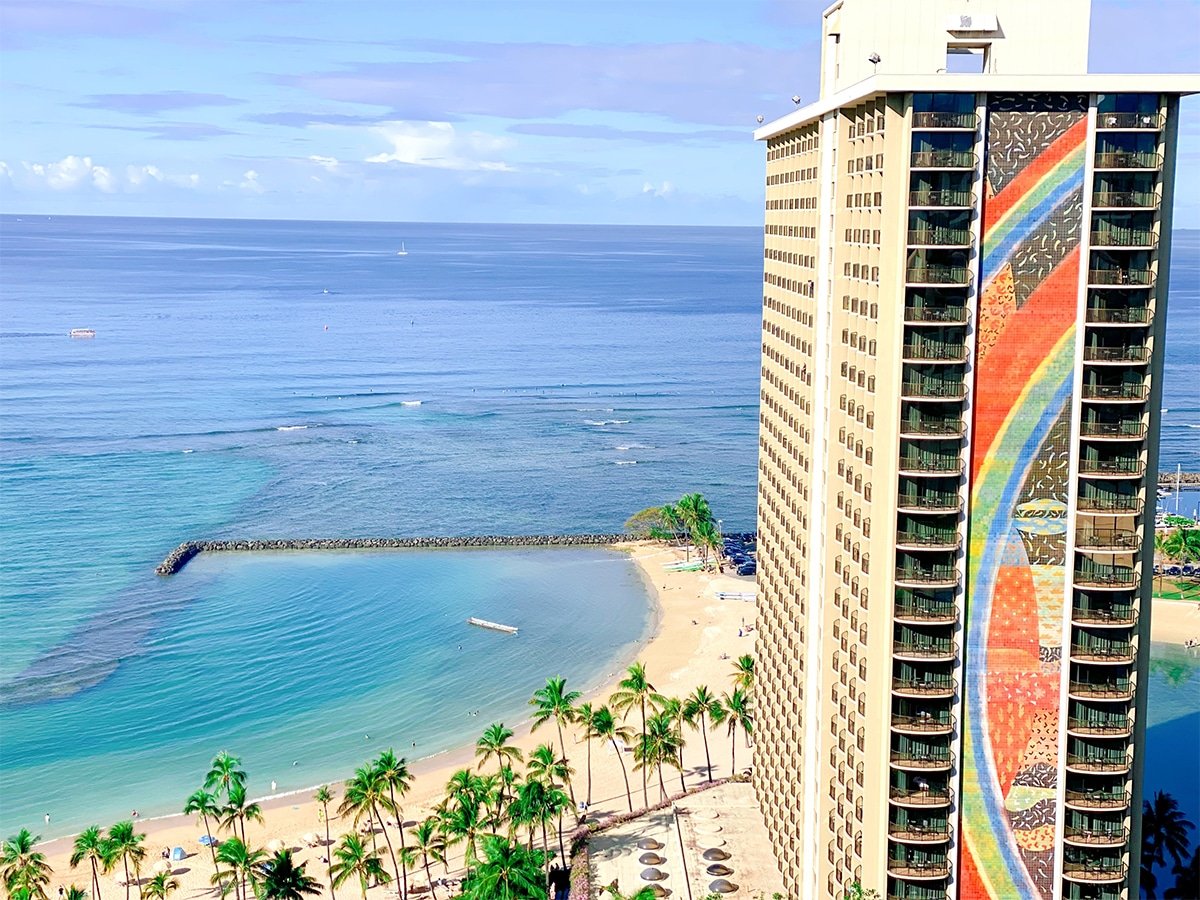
(662, 190)
(81, 173)
(325, 162)
(439, 145)
(251, 183)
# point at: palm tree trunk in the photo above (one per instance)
(212, 847)
(429, 876)
(704, 732)
(125, 862)
(562, 851)
(624, 774)
(588, 738)
(391, 852)
(645, 790)
(662, 788)
(680, 734)
(545, 849)
(328, 851)
(563, 744)
(733, 752)
(95, 880)
(400, 825)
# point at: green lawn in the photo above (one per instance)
(1177, 589)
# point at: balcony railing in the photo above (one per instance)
(939, 237)
(928, 723)
(1117, 689)
(932, 427)
(932, 503)
(1134, 277)
(926, 649)
(919, 833)
(938, 275)
(1119, 466)
(1129, 353)
(1113, 726)
(1128, 120)
(1130, 430)
(916, 758)
(1098, 799)
(1122, 237)
(939, 464)
(934, 390)
(944, 575)
(950, 159)
(924, 687)
(1114, 652)
(959, 199)
(935, 352)
(1110, 615)
(1128, 159)
(1093, 870)
(938, 314)
(1098, 762)
(1118, 539)
(1124, 199)
(1117, 504)
(935, 540)
(1128, 391)
(922, 868)
(1118, 315)
(945, 120)
(1095, 837)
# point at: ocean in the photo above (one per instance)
(299, 379)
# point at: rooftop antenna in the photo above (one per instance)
(758, 119)
(875, 59)
(796, 99)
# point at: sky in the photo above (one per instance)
(571, 111)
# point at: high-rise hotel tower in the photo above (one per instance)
(964, 298)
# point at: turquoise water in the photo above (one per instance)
(292, 660)
(298, 379)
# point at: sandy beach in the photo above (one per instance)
(695, 642)
(1175, 621)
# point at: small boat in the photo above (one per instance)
(83, 332)
(402, 251)
(494, 626)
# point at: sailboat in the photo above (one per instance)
(402, 251)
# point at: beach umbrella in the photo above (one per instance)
(722, 886)
(178, 853)
(310, 839)
(208, 841)
(649, 844)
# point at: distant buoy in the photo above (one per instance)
(326, 327)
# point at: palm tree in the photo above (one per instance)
(324, 796)
(354, 860)
(90, 844)
(635, 689)
(239, 870)
(672, 709)
(24, 869)
(507, 872)
(125, 845)
(1164, 831)
(645, 893)
(224, 772)
(736, 713)
(702, 705)
(1181, 545)
(584, 713)
(74, 892)
(237, 809)
(606, 728)
(533, 809)
(657, 746)
(162, 885)
(670, 519)
(708, 540)
(1187, 879)
(204, 804)
(428, 841)
(461, 813)
(743, 673)
(284, 880)
(555, 702)
(495, 742)
(365, 795)
(392, 772)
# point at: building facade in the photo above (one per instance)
(964, 292)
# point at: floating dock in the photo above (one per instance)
(495, 626)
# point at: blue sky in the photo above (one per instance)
(440, 110)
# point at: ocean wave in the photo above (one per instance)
(410, 402)
(291, 427)
(626, 462)
(600, 423)
(593, 409)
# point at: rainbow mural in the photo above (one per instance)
(1017, 559)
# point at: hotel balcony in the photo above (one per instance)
(1112, 467)
(1126, 392)
(930, 464)
(1097, 799)
(954, 159)
(1114, 540)
(940, 237)
(902, 891)
(932, 389)
(925, 650)
(1073, 891)
(1118, 277)
(925, 759)
(1102, 200)
(931, 427)
(931, 539)
(932, 576)
(935, 315)
(1122, 430)
(1088, 763)
(1114, 652)
(1123, 237)
(1116, 690)
(935, 351)
(1118, 315)
(1111, 504)
(1095, 837)
(1110, 726)
(935, 831)
(923, 723)
(1128, 121)
(1130, 354)
(960, 121)
(1096, 870)
(938, 275)
(941, 199)
(1125, 159)
(921, 688)
(1115, 615)
(918, 867)
(1118, 578)
(931, 503)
